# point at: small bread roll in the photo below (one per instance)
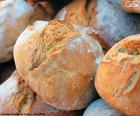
(17, 98)
(101, 108)
(111, 22)
(131, 6)
(15, 15)
(118, 76)
(58, 63)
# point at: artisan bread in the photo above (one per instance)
(101, 108)
(58, 63)
(15, 15)
(131, 6)
(17, 98)
(111, 22)
(74, 13)
(118, 76)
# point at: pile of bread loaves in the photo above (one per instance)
(70, 57)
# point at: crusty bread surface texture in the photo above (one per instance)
(15, 15)
(118, 76)
(74, 13)
(59, 63)
(17, 98)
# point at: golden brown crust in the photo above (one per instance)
(55, 64)
(17, 98)
(118, 76)
(131, 6)
(15, 15)
(74, 13)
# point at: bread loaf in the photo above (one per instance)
(118, 76)
(101, 108)
(15, 15)
(131, 6)
(17, 98)
(58, 63)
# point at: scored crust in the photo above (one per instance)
(118, 76)
(51, 58)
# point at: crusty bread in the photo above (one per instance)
(112, 23)
(15, 15)
(17, 98)
(80, 12)
(74, 13)
(101, 108)
(118, 76)
(93, 34)
(58, 63)
(131, 6)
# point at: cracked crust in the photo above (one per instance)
(79, 13)
(18, 98)
(74, 13)
(51, 58)
(118, 76)
(15, 15)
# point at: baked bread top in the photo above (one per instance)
(51, 58)
(118, 76)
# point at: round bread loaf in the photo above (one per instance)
(131, 6)
(111, 22)
(17, 98)
(58, 63)
(118, 76)
(100, 108)
(15, 15)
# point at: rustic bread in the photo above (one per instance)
(58, 63)
(101, 108)
(17, 98)
(111, 22)
(74, 13)
(15, 15)
(118, 76)
(131, 6)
